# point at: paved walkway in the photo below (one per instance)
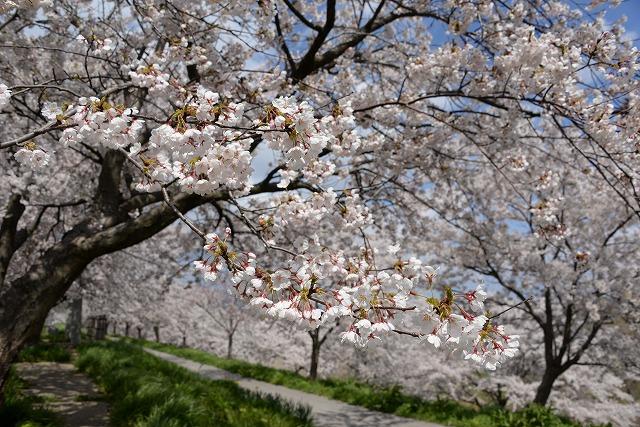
(66, 392)
(325, 412)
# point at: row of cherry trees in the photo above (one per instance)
(299, 141)
(209, 318)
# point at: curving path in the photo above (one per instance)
(325, 412)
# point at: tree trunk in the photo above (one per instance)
(184, 340)
(139, 332)
(101, 327)
(36, 332)
(74, 321)
(315, 353)
(543, 392)
(127, 326)
(156, 332)
(23, 310)
(229, 345)
(113, 328)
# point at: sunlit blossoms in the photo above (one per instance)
(203, 148)
(150, 76)
(98, 122)
(201, 160)
(319, 285)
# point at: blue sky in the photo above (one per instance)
(630, 9)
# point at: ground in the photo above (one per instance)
(66, 392)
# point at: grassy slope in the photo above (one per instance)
(45, 351)
(390, 400)
(147, 392)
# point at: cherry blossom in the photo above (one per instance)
(5, 96)
(32, 157)
(372, 301)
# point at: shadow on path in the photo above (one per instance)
(65, 391)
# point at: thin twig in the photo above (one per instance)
(413, 334)
(511, 308)
(184, 219)
(379, 307)
(266, 244)
(166, 197)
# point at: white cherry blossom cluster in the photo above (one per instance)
(100, 123)
(204, 147)
(204, 160)
(301, 138)
(480, 339)
(346, 212)
(197, 148)
(353, 213)
(546, 180)
(51, 110)
(5, 96)
(518, 163)
(151, 77)
(296, 134)
(211, 107)
(32, 157)
(315, 172)
(98, 46)
(181, 50)
(547, 219)
(320, 285)
(104, 46)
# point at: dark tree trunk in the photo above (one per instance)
(156, 332)
(113, 328)
(127, 326)
(36, 333)
(184, 340)
(74, 321)
(139, 332)
(315, 353)
(101, 327)
(549, 377)
(558, 361)
(229, 345)
(501, 397)
(553, 361)
(25, 303)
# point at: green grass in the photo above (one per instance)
(147, 392)
(45, 351)
(384, 399)
(20, 410)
